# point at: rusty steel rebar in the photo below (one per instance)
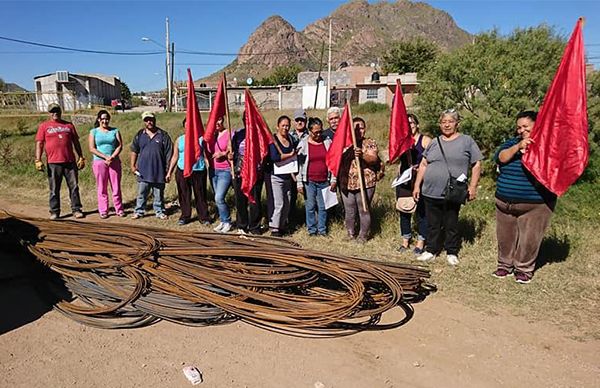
(125, 276)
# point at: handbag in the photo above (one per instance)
(406, 205)
(456, 191)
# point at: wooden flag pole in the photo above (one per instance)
(230, 146)
(361, 182)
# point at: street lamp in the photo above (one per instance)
(170, 51)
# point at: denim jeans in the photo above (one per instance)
(314, 202)
(158, 194)
(56, 172)
(405, 222)
(221, 180)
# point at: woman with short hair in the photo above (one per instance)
(523, 206)
(348, 180)
(448, 159)
(313, 176)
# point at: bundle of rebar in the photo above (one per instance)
(124, 276)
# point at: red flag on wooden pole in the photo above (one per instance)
(400, 139)
(193, 129)
(560, 149)
(217, 111)
(342, 139)
(258, 138)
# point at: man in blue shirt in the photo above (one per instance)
(151, 152)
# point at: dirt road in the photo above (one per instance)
(446, 344)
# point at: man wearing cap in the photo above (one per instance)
(333, 118)
(57, 138)
(299, 130)
(151, 152)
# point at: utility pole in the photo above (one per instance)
(319, 79)
(172, 69)
(328, 101)
(169, 73)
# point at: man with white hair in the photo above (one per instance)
(333, 118)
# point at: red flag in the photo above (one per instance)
(193, 129)
(559, 152)
(217, 111)
(258, 138)
(401, 139)
(342, 139)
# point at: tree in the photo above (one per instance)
(125, 92)
(282, 75)
(490, 81)
(411, 56)
(2, 85)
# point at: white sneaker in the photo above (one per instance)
(426, 256)
(218, 227)
(452, 259)
(241, 231)
(226, 228)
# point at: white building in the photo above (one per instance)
(75, 91)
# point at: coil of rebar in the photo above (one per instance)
(124, 276)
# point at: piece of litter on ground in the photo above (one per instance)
(319, 384)
(471, 356)
(192, 374)
(417, 364)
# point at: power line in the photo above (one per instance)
(81, 50)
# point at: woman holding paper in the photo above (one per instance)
(404, 190)
(278, 178)
(349, 181)
(446, 160)
(313, 176)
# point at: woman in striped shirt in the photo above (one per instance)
(523, 206)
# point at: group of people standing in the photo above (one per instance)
(452, 159)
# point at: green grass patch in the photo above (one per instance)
(565, 289)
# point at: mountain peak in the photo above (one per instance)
(361, 33)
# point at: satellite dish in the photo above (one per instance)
(249, 81)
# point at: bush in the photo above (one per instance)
(369, 107)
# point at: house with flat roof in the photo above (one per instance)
(75, 91)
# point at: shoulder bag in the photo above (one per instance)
(455, 192)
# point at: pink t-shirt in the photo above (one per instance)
(58, 138)
(219, 146)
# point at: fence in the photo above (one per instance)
(34, 102)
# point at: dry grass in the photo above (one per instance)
(565, 290)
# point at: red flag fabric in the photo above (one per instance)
(400, 139)
(193, 129)
(560, 149)
(217, 111)
(258, 138)
(341, 140)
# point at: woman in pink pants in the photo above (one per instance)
(105, 143)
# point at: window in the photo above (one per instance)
(372, 94)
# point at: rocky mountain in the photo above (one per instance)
(361, 33)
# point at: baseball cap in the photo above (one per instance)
(299, 114)
(54, 106)
(148, 114)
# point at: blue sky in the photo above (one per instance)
(214, 26)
